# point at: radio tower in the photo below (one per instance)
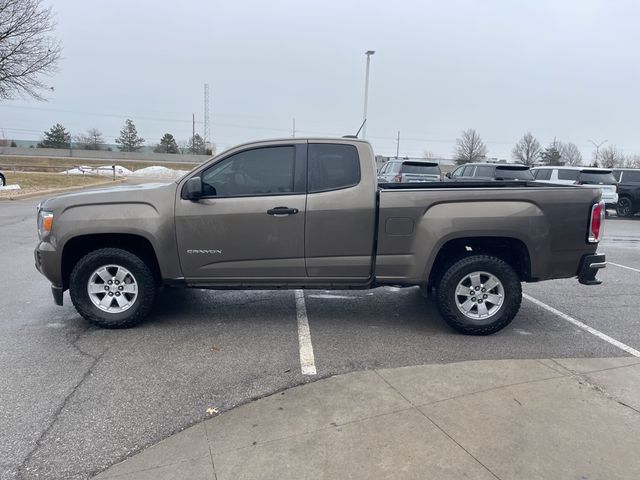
(207, 131)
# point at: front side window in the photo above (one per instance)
(262, 171)
(332, 166)
(457, 172)
(468, 171)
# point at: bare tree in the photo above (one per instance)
(610, 157)
(571, 155)
(469, 148)
(27, 48)
(92, 140)
(527, 150)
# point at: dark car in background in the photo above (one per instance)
(490, 171)
(628, 191)
(409, 171)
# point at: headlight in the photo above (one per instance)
(45, 223)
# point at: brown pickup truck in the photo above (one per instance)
(308, 213)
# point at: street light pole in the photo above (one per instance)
(368, 53)
(598, 145)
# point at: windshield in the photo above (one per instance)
(513, 173)
(420, 167)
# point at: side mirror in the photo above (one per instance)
(192, 189)
(448, 174)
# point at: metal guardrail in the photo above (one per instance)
(59, 169)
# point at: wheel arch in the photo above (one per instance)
(77, 247)
(512, 250)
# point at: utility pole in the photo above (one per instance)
(207, 128)
(368, 53)
(193, 132)
(294, 127)
(598, 145)
(398, 146)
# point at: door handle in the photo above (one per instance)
(282, 211)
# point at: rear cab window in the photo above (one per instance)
(512, 172)
(542, 173)
(568, 174)
(484, 171)
(332, 167)
(596, 177)
(427, 168)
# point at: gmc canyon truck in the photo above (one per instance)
(307, 214)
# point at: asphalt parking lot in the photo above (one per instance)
(76, 399)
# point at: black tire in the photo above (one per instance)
(624, 208)
(90, 263)
(447, 300)
(3, 181)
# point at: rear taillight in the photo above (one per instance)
(596, 222)
(397, 179)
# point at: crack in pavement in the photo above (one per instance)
(22, 468)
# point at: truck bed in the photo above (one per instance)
(416, 221)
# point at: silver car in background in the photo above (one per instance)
(409, 171)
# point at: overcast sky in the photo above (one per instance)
(568, 69)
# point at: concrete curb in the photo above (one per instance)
(551, 418)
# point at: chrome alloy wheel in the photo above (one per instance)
(479, 295)
(112, 288)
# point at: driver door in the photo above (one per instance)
(248, 227)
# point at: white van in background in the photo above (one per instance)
(602, 177)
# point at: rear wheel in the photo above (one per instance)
(3, 182)
(479, 295)
(112, 288)
(624, 208)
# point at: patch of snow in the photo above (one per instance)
(157, 171)
(10, 187)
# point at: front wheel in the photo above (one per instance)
(624, 208)
(479, 295)
(112, 288)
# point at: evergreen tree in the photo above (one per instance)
(129, 141)
(167, 144)
(552, 154)
(56, 137)
(196, 145)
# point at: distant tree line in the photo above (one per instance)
(128, 141)
(528, 150)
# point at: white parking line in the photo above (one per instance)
(307, 360)
(623, 266)
(579, 324)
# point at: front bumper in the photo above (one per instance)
(47, 262)
(589, 268)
